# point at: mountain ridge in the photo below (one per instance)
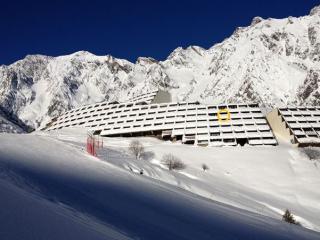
(273, 62)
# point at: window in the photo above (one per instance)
(228, 140)
(232, 106)
(222, 107)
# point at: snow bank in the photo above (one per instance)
(59, 192)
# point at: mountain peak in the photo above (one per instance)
(81, 53)
(256, 20)
(273, 65)
(148, 60)
(315, 11)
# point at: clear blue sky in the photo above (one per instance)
(128, 29)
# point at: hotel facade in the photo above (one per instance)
(153, 114)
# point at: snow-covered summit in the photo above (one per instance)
(273, 62)
(315, 10)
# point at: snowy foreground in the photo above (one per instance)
(51, 189)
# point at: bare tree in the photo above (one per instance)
(172, 162)
(204, 167)
(136, 148)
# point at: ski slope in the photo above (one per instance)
(51, 189)
(264, 180)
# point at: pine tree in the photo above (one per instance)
(288, 217)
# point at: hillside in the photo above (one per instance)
(72, 195)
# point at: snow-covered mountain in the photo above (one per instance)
(273, 62)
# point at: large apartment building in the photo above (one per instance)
(191, 122)
(299, 125)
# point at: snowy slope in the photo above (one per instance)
(264, 180)
(272, 62)
(11, 123)
(7, 126)
(72, 195)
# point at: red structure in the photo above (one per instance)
(93, 143)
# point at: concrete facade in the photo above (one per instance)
(299, 125)
(190, 122)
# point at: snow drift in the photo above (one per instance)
(51, 189)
